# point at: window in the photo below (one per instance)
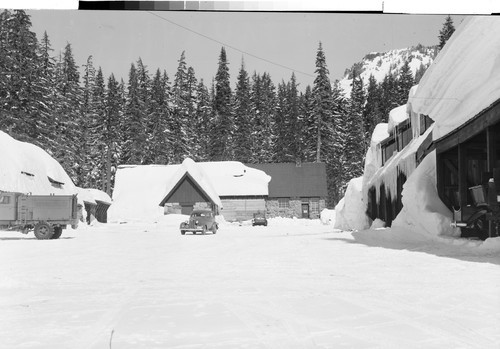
(284, 203)
(315, 207)
(5, 200)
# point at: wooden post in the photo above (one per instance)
(462, 175)
(491, 150)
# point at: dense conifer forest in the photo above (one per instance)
(92, 123)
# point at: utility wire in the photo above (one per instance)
(231, 47)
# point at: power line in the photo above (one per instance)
(231, 47)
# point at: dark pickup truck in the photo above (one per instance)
(46, 215)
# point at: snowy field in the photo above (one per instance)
(292, 284)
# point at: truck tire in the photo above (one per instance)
(57, 233)
(43, 231)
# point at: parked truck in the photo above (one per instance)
(46, 215)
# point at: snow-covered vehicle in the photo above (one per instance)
(200, 221)
(259, 219)
(46, 215)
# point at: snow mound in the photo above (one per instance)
(377, 224)
(327, 216)
(27, 168)
(350, 212)
(397, 116)
(283, 221)
(423, 210)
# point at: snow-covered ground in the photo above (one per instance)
(287, 285)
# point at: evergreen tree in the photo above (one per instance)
(355, 145)
(371, 112)
(446, 31)
(242, 118)
(405, 83)
(97, 132)
(112, 132)
(323, 103)
(308, 125)
(224, 123)
(263, 111)
(181, 108)
(203, 121)
(159, 137)
(133, 128)
(68, 114)
(420, 73)
(87, 121)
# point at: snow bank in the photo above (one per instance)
(27, 168)
(460, 83)
(423, 210)
(138, 192)
(397, 116)
(350, 212)
(91, 195)
(327, 216)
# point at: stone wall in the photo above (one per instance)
(294, 208)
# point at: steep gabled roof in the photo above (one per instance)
(189, 169)
(290, 180)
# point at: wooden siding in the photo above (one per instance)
(186, 191)
(241, 209)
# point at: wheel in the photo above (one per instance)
(214, 229)
(480, 227)
(204, 231)
(57, 233)
(183, 232)
(43, 231)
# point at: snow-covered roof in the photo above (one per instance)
(140, 188)
(91, 195)
(380, 132)
(463, 80)
(232, 178)
(397, 116)
(27, 168)
(198, 174)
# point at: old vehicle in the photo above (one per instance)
(483, 219)
(46, 215)
(200, 221)
(259, 219)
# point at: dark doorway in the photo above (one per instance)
(186, 209)
(305, 210)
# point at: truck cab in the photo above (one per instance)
(7, 207)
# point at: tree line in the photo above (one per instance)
(91, 123)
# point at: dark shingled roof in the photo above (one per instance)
(290, 180)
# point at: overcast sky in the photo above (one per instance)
(115, 39)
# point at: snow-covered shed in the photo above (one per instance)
(233, 189)
(26, 168)
(461, 93)
(96, 203)
(296, 190)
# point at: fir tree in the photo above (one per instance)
(308, 125)
(405, 83)
(224, 124)
(203, 120)
(420, 73)
(133, 128)
(355, 145)
(446, 31)
(112, 132)
(323, 105)
(181, 108)
(371, 112)
(242, 117)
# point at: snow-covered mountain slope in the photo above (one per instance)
(379, 64)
